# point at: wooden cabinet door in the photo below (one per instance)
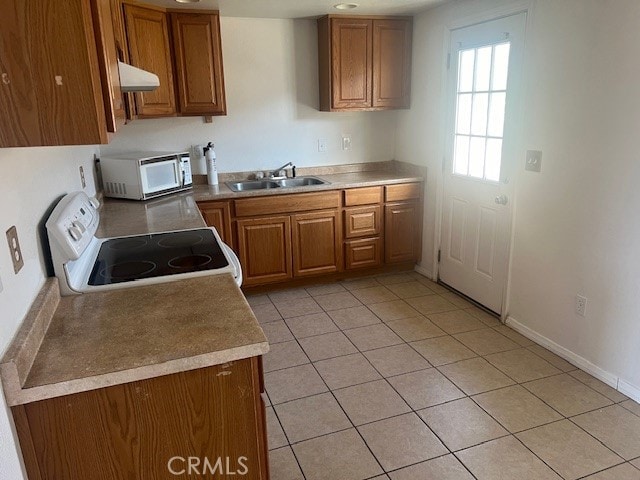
(108, 61)
(218, 215)
(133, 430)
(392, 63)
(362, 221)
(316, 243)
(402, 232)
(264, 248)
(149, 49)
(198, 55)
(19, 126)
(351, 73)
(362, 253)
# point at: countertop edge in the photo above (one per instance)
(44, 392)
(200, 195)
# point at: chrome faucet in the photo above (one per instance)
(277, 172)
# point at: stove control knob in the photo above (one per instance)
(80, 226)
(75, 233)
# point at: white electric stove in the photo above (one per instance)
(85, 263)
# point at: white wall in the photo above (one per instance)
(271, 78)
(576, 224)
(33, 180)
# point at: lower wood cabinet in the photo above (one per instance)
(264, 248)
(362, 253)
(316, 243)
(283, 237)
(402, 232)
(362, 221)
(218, 215)
(148, 429)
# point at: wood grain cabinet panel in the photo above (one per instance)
(351, 46)
(402, 232)
(133, 430)
(362, 221)
(198, 57)
(316, 243)
(362, 253)
(218, 215)
(107, 50)
(50, 82)
(149, 49)
(362, 196)
(392, 63)
(403, 191)
(20, 125)
(364, 63)
(264, 248)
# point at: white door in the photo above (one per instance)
(476, 209)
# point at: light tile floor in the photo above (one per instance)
(395, 378)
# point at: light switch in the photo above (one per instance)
(534, 161)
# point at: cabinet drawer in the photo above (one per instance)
(362, 221)
(362, 196)
(274, 204)
(366, 252)
(403, 191)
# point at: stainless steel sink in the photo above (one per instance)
(252, 185)
(284, 183)
(301, 182)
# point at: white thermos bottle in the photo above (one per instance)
(210, 157)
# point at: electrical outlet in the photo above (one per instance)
(82, 179)
(322, 144)
(197, 152)
(14, 249)
(534, 161)
(581, 305)
(346, 141)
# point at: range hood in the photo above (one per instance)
(133, 79)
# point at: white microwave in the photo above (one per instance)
(144, 175)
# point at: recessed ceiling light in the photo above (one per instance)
(346, 6)
(187, 1)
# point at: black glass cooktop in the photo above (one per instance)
(146, 256)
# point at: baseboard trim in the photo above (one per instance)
(629, 390)
(423, 271)
(610, 379)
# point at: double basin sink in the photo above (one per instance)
(273, 183)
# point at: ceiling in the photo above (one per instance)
(301, 8)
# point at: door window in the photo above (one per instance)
(480, 106)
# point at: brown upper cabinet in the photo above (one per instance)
(57, 73)
(184, 48)
(149, 49)
(364, 62)
(198, 59)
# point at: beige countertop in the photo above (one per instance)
(180, 211)
(100, 339)
(78, 343)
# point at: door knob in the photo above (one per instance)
(502, 199)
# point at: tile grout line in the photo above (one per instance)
(405, 342)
